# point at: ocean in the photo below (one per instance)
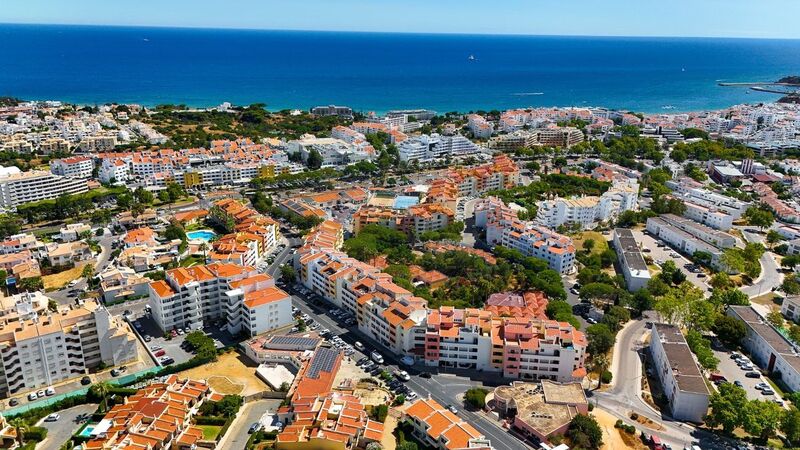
(383, 71)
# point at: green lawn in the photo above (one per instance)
(192, 260)
(210, 432)
(600, 241)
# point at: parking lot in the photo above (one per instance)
(172, 346)
(729, 369)
(650, 247)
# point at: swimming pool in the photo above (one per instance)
(87, 431)
(404, 201)
(203, 235)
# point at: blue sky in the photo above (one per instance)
(729, 18)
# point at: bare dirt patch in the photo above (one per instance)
(232, 373)
(613, 438)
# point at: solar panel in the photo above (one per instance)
(323, 361)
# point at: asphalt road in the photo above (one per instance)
(771, 276)
(60, 431)
(251, 412)
(624, 396)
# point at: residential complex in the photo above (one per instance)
(40, 347)
(17, 187)
(690, 237)
(245, 300)
(158, 415)
(504, 228)
(429, 147)
(588, 211)
(683, 383)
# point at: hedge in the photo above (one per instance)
(210, 420)
(37, 434)
(225, 428)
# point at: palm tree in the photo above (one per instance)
(600, 364)
(20, 427)
(203, 247)
(101, 389)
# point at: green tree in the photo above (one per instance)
(721, 280)
(600, 338)
(30, 284)
(729, 330)
(314, 160)
(288, 273)
(476, 397)
(728, 297)
(100, 390)
(585, 433)
(759, 217)
(762, 418)
(726, 407)
(616, 317)
(701, 347)
(143, 196)
(790, 425)
(775, 318)
(20, 427)
(600, 364)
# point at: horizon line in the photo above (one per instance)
(428, 33)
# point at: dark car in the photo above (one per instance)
(253, 428)
(86, 380)
(425, 375)
(13, 402)
(753, 374)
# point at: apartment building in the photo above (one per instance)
(73, 167)
(158, 415)
(514, 140)
(17, 187)
(564, 137)
(414, 220)
(504, 228)
(479, 126)
(523, 347)
(236, 218)
(769, 349)
(714, 218)
(501, 173)
(588, 211)
(102, 142)
(39, 347)
(114, 171)
(344, 112)
(437, 427)
(681, 379)
(246, 300)
(435, 146)
(670, 232)
(631, 260)
(21, 242)
(689, 190)
(334, 152)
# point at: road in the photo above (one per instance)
(445, 388)
(251, 412)
(624, 396)
(771, 276)
(60, 431)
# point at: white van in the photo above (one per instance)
(376, 357)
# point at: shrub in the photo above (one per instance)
(618, 423)
(36, 434)
(630, 429)
(476, 397)
(606, 377)
(210, 420)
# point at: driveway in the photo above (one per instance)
(237, 434)
(60, 431)
(731, 371)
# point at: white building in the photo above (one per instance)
(588, 211)
(666, 230)
(714, 218)
(17, 187)
(690, 191)
(39, 348)
(790, 308)
(768, 348)
(114, 171)
(681, 380)
(73, 167)
(247, 301)
(334, 152)
(504, 228)
(435, 146)
(73, 231)
(634, 267)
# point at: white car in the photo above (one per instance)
(50, 391)
(402, 375)
(377, 357)
(32, 396)
(359, 346)
(52, 417)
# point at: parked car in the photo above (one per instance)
(161, 352)
(753, 374)
(165, 361)
(738, 383)
(32, 396)
(13, 402)
(452, 409)
(359, 346)
(50, 391)
(424, 374)
(377, 357)
(253, 428)
(401, 375)
(407, 361)
(52, 417)
(86, 380)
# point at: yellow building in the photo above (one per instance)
(192, 179)
(266, 171)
